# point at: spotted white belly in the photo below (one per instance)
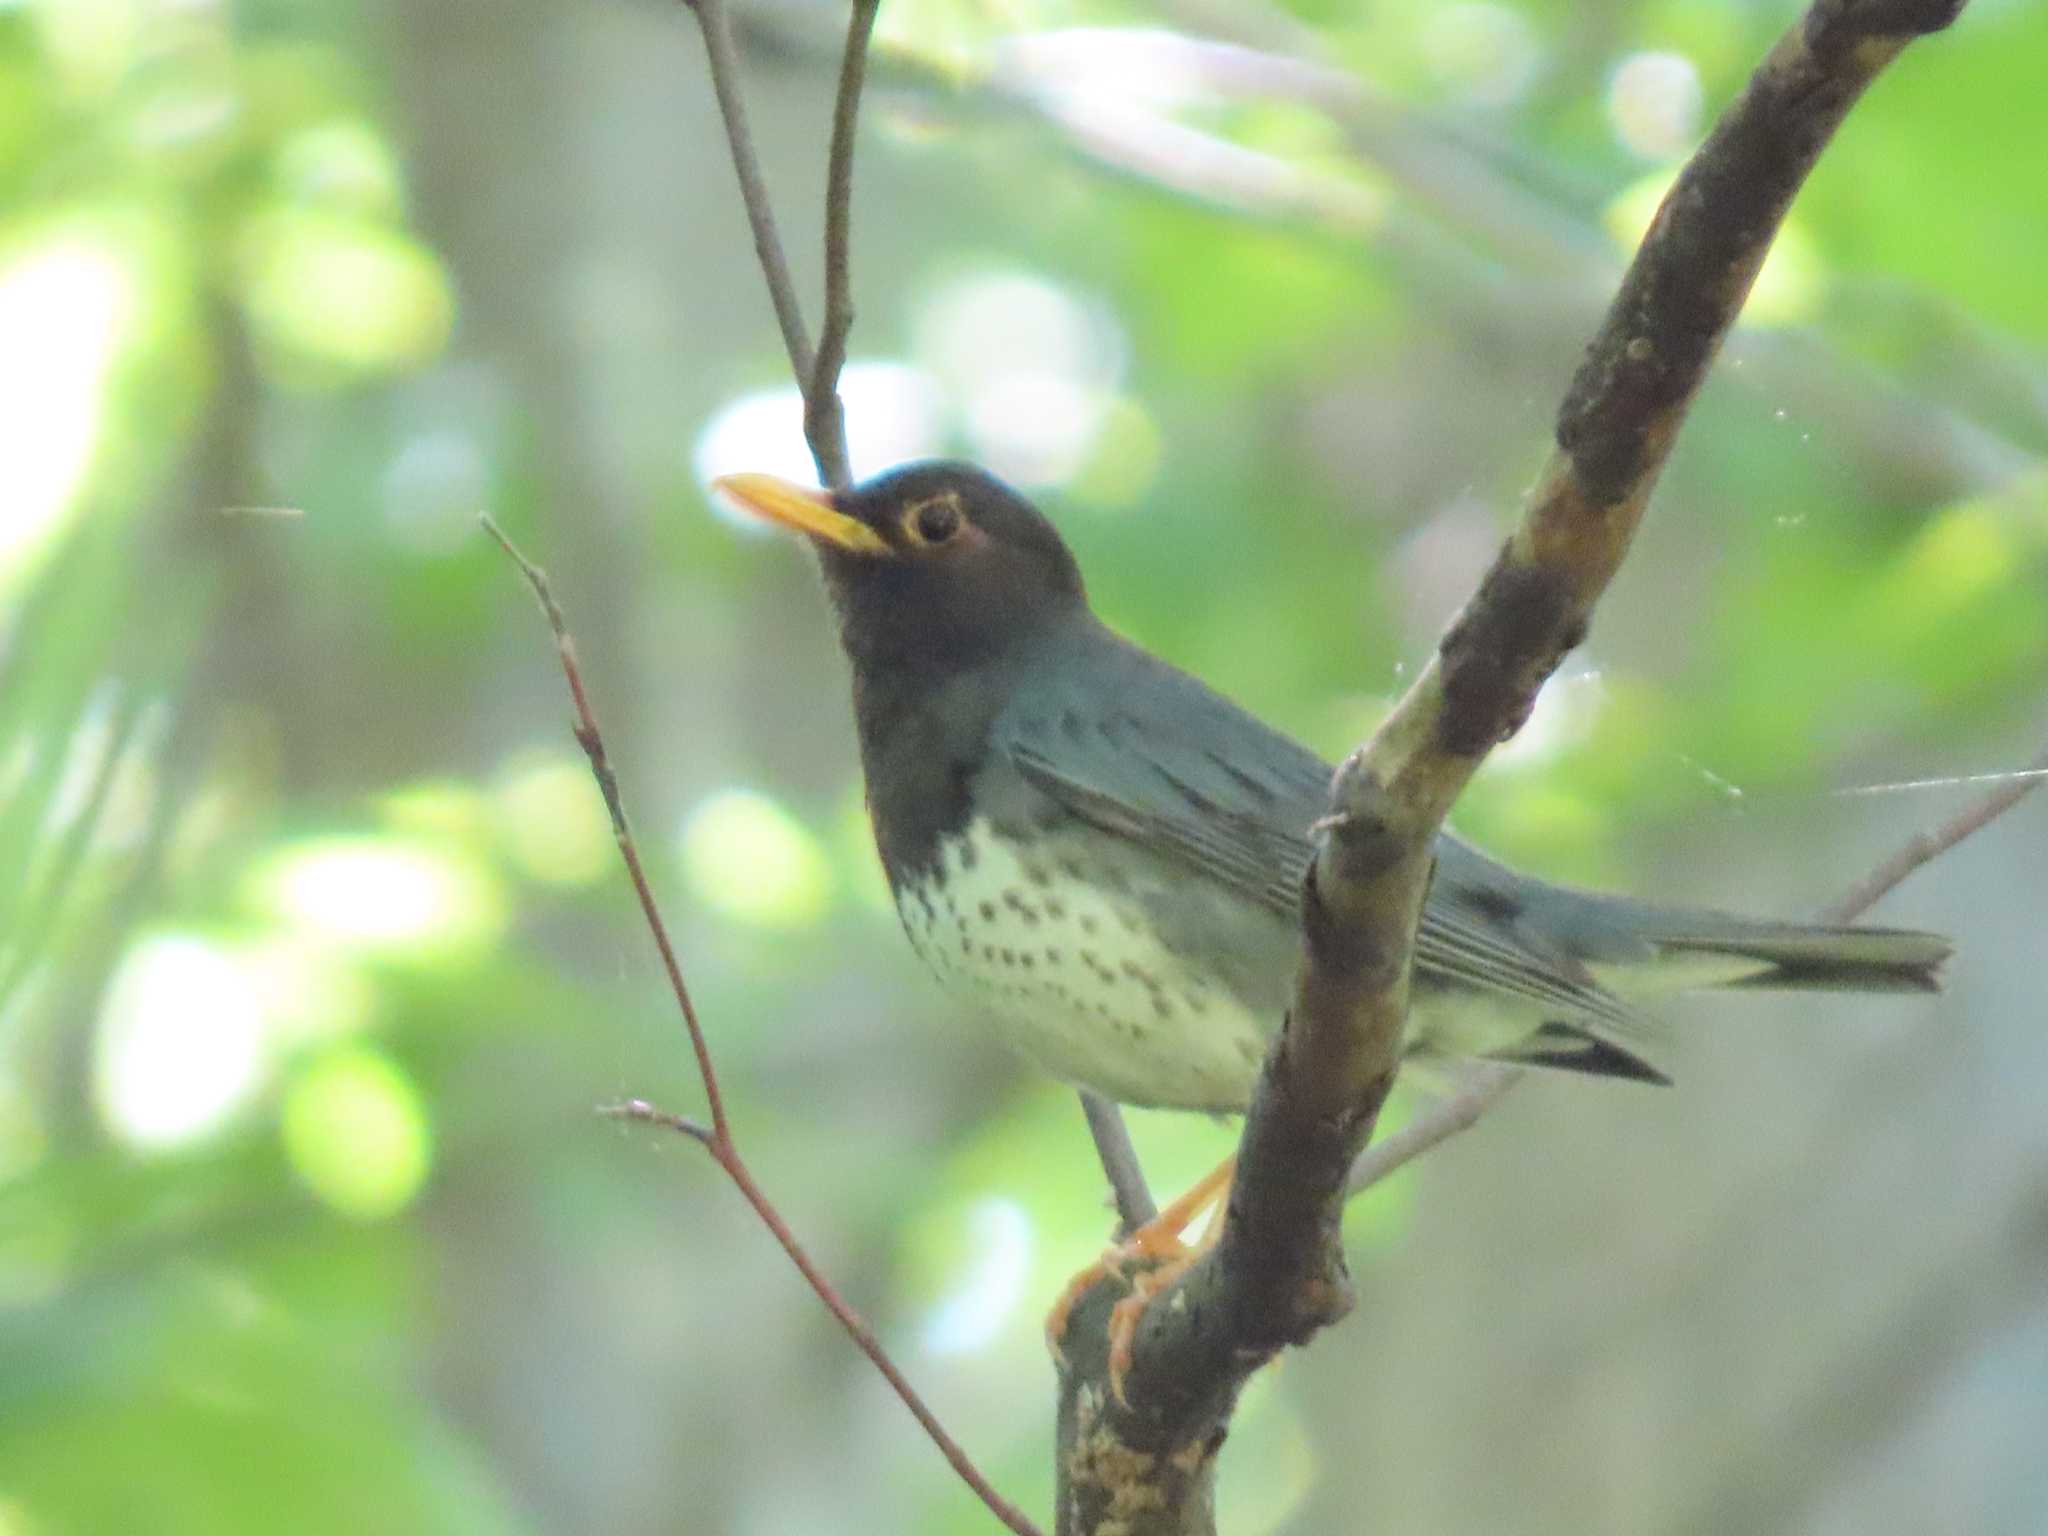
(1057, 956)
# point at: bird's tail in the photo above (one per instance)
(1675, 947)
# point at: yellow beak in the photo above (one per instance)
(809, 512)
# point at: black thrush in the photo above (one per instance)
(1106, 856)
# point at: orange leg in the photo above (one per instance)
(1158, 1246)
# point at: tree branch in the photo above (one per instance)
(723, 58)
(717, 1139)
(816, 373)
(1276, 1276)
(824, 416)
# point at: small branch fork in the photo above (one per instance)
(1276, 1276)
(717, 1138)
(817, 372)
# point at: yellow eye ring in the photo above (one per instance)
(934, 521)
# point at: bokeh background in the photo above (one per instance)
(315, 959)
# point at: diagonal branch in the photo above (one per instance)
(723, 57)
(1926, 846)
(717, 1138)
(1277, 1275)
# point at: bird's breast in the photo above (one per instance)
(1055, 943)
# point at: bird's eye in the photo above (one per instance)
(935, 521)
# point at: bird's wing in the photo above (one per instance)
(1177, 769)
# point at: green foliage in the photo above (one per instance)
(313, 951)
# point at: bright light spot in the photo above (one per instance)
(892, 414)
(433, 489)
(1033, 428)
(180, 1045)
(1161, 70)
(343, 292)
(441, 811)
(91, 44)
(356, 1131)
(1485, 52)
(186, 116)
(552, 820)
(1035, 368)
(747, 856)
(67, 307)
(1788, 287)
(1000, 1242)
(1956, 559)
(1564, 715)
(1654, 102)
(308, 991)
(374, 893)
(343, 165)
(14, 1518)
(995, 323)
(1791, 282)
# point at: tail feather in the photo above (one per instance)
(1828, 959)
(1689, 948)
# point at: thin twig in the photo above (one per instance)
(727, 1156)
(641, 1112)
(1134, 1206)
(1492, 1081)
(746, 164)
(1485, 1086)
(592, 742)
(717, 1138)
(824, 416)
(1925, 846)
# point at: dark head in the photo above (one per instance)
(936, 568)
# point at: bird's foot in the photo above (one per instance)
(1159, 1255)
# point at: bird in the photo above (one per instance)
(1104, 856)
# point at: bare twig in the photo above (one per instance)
(717, 1138)
(1925, 846)
(1134, 1205)
(592, 743)
(723, 57)
(824, 416)
(1484, 1086)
